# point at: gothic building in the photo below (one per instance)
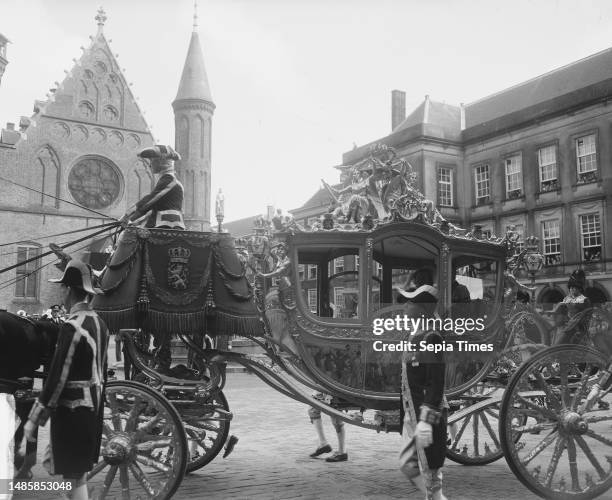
(73, 165)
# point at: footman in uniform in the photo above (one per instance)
(73, 390)
(162, 207)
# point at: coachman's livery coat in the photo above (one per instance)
(73, 392)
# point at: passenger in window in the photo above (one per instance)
(420, 289)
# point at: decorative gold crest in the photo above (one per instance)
(178, 268)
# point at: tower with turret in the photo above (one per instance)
(193, 111)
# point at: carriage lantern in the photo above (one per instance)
(533, 260)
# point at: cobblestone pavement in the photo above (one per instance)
(271, 459)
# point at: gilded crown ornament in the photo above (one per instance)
(179, 254)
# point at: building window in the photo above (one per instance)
(301, 272)
(590, 233)
(551, 238)
(356, 268)
(586, 159)
(312, 300)
(338, 301)
(547, 161)
(312, 271)
(483, 185)
(445, 187)
(514, 177)
(338, 265)
(26, 285)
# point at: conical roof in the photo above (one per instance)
(194, 82)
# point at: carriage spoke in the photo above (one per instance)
(115, 417)
(154, 444)
(132, 417)
(540, 409)
(539, 448)
(589, 454)
(554, 461)
(563, 375)
(124, 478)
(99, 467)
(597, 437)
(535, 428)
(460, 432)
(475, 434)
(490, 430)
(152, 463)
(552, 398)
(492, 413)
(581, 391)
(571, 456)
(108, 481)
(150, 424)
(597, 418)
(141, 477)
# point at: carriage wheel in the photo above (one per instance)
(474, 438)
(207, 427)
(565, 450)
(143, 445)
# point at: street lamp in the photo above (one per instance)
(533, 260)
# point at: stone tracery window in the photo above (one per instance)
(94, 183)
(86, 109)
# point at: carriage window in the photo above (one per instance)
(474, 289)
(402, 264)
(331, 286)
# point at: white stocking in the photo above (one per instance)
(318, 425)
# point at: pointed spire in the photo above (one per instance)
(195, 15)
(194, 81)
(101, 18)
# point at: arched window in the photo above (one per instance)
(199, 134)
(95, 182)
(549, 297)
(182, 137)
(596, 295)
(49, 175)
(27, 274)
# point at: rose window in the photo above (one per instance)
(94, 183)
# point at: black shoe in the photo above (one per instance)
(320, 450)
(337, 457)
(229, 447)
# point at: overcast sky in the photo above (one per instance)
(296, 83)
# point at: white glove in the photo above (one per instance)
(424, 434)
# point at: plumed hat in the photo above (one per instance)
(577, 279)
(160, 152)
(55, 308)
(78, 275)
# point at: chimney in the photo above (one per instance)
(398, 108)
(10, 126)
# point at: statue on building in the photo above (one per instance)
(162, 207)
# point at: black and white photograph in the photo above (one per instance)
(289, 249)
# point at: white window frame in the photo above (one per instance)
(445, 187)
(26, 275)
(547, 163)
(586, 154)
(312, 300)
(591, 237)
(514, 174)
(301, 272)
(312, 272)
(339, 293)
(338, 265)
(550, 247)
(482, 182)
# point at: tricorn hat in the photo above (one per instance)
(78, 275)
(160, 152)
(56, 307)
(577, 279)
